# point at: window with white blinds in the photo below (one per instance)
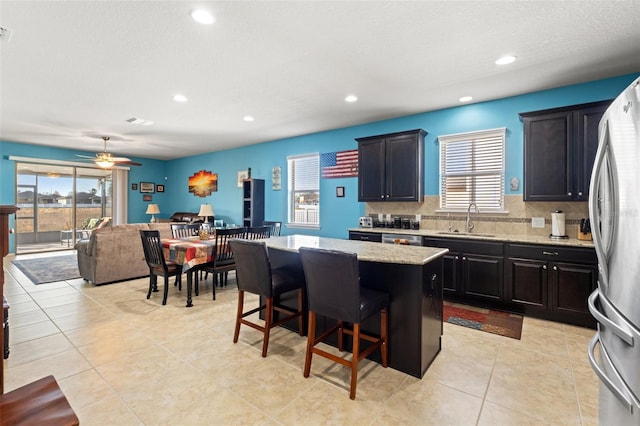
(304, 190)
(472, 170)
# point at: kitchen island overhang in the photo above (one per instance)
(412, 276)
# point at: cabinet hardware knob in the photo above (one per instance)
(555, 268)
(544, 266)
(457, 257)
(382, 196)
(580, 193)
(569, 194)
(550, 253)
(464, 258)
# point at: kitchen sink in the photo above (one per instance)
(470, 234)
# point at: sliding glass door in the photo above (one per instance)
(59, 205)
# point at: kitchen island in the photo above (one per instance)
(412, 278)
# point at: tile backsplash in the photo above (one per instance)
(516, 222)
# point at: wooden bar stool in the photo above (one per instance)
(334, 291)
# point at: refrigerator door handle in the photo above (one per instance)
(594, 201)
(602, 319)
(628, 401)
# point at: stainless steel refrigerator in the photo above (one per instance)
(614, 208)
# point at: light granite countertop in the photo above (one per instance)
(529, 239)
(366, 251)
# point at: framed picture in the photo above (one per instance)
(147, 187)
(339, 191)
(134, 186)
(203, 183)
(146, 198)
(160, 188)
(242, 175)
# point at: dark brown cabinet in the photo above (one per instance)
(391, 166)
(472, 269)
(252, 202)
(553, 281)
(559, 150)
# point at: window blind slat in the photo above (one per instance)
(472, 170)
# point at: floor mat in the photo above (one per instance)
(491, 321)
(49, 269)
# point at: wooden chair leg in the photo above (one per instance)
(166, 290)
(300, 322)
(150, 285)
(340, 336)
(238, 314)
(311, 335)
(268, 319)
(196, 284)
(354, 360)
(214, 292)
(384, 324)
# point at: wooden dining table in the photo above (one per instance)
(189, 252)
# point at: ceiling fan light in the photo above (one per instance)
(105, 164)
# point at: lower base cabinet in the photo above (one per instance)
(552, 282)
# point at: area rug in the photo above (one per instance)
(496, 322)
(49, 269)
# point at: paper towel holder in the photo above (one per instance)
(558, 226)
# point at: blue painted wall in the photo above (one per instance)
(336, 214)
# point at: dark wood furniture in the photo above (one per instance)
(224, 260)
(255, 275)
(158, 266)
(5, 326)
(40, 402)
(551, 281)
(258, 232)
(472, 268)
(275, 226)
(410, 275)
(391, 166)
(252, 202)
(559, 150)
(335, 291)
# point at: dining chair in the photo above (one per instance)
(258, 232)
(255, 275)
(152, 248)
(185, 230)
(275, 227)
(334, 291)
(224, 259)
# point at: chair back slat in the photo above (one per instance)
(258, 232)
(224, 251)
(184, 230)
(333, 283)
(253, 269)
(152, 248)
(275, 227)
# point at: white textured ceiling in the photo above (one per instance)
(76, 70)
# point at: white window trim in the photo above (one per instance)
(300, 225)
(460, 137)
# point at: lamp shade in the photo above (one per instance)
(205, 210)
(152, 209)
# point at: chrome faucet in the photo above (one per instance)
(470, 224)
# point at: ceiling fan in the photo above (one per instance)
(106, 159)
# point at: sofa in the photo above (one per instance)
(188, 217)
(114, 253)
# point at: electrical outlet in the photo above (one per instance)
(537, 222)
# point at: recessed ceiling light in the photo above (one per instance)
(351, 98)
(248, 118)
(180, 98)
(202, 16)
(505, 60)
(466, 99)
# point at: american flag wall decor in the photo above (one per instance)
(339, 164)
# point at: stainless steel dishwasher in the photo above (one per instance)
(407, 240)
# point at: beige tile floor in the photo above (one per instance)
(122, 359)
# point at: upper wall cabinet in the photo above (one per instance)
(559, 149)
(391, 166)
